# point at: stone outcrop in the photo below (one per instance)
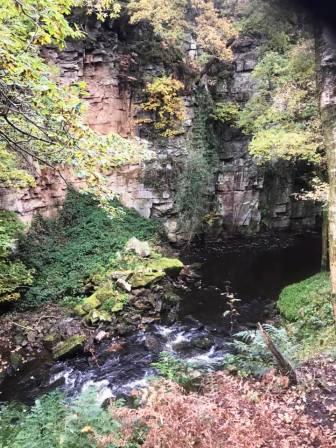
(248, 198)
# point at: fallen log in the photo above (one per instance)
(284, 366)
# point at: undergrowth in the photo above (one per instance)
(175, 370)
(54, 422)
(307, 308)
(252, 357)
(84, 240)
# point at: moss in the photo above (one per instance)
(144, 279)
(68, 347)
(171, 266)
(307, 308)
(96, 316)
(294, 299)
(90, 303)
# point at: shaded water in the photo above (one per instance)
(254, 273)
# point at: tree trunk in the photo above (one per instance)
(284, 365)
(325, 230)
(326, 71)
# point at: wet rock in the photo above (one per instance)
(141, 248)
(153, 343)
(50, 340)
(148, 320)
(15, 360)
(141, 305)
(123, 329)
(203, 342)
(69, 347)
(116, 347)
(144, 279)
(172, 297)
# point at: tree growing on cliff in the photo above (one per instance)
(177, 21)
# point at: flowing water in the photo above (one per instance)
(250, 271)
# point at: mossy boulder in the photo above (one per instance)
(170, 266)
(50, 340)
(69, 347)
(97, 316)
(143, 279)
(90, 303)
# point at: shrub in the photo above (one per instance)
(300, 299)
(84, 240)
(226, 112)
(53, 422)
(307, 306)
(164, 101)
(13, 274)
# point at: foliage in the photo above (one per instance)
(164, 101)
(307, 305)
(102, 8)
(53, 422)
(170, 20)
(295, 299)
(227, 113)
(229, 412)
(273, 20)
(167, 17)
(13, 274)
(40, 120)
(282, 116)
(252, 357)
(84, 240)
(174, 369)
(193, 197)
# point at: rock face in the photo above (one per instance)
(248, 198)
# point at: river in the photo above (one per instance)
(253, 271)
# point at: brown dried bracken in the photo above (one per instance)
(234, 413)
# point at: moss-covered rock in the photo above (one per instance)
(171, 266)
(90, 303)
(143, 279)
(50, 341)
(69, 347)
(97, 316)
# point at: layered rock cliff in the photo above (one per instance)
(115, 60)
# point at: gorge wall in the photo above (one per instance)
(116, 60)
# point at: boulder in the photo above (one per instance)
(143, 279)
(90, 303)
(124, 285)
(141, 248)
(170, 266)
(69, 347)
(50, 340)
(96, 316)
